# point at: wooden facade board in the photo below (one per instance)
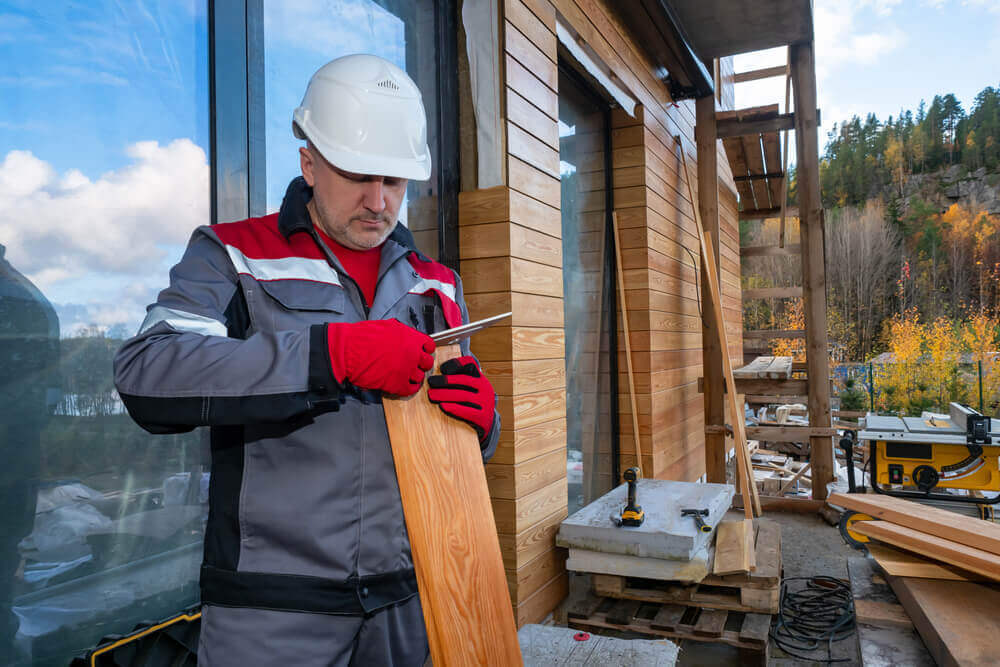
(539, 63)
(531, 577)
(531, 26)
(531, 88)
(528, 117)
(532, 150)
(511, 481)
(523, 444)
(514, 517)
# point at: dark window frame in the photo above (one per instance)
(237, 150)
(566, 67)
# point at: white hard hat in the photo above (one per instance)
(365, 115)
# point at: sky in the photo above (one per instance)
(104, 135)
(880, 56)
(104, 125)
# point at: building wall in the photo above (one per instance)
(511, 259)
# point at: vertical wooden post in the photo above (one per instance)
(628, 344)
(708, 206)
(813, 262)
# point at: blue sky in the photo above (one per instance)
(883, 55)
(104, 134)
(104, 116)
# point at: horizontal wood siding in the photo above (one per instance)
(511, 253)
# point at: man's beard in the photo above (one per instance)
(341, 234)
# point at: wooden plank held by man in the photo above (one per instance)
(453, 538)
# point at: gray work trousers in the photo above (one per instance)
(242, 637)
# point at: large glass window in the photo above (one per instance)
(588, 304)
(300, 37)
(103, 175)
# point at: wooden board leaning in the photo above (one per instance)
(456, 553)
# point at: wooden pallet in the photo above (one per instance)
(746, 631)
(758, 591)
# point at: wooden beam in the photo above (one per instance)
(770, 251)
(783, 197)
(772, 293)
(735, 127)
(735, 407)
(759, 177)
(756, 74)
(764, 386)
(946, 551)
(788, 433)
(956, 620)
(774, 503)
(763, 213)
(947, 525)
(628, 345)
(900, 563)
(803, 66)
(787, 485)
(768, 334)
(766, 399)
(708, 208)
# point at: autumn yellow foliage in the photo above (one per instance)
(936, 362)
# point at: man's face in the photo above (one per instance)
(357, 211)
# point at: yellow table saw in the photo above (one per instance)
(917, 457)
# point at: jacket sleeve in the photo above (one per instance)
(489, 447)
(191, 364)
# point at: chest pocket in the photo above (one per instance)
(284, 305)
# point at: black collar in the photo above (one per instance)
(294, 216)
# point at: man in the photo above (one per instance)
(283, 333)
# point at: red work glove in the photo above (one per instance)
(464, 393)
(379, 354)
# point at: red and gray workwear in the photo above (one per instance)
(304, 506)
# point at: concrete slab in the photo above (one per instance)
(664, 534)
(597, 562)
(550, 646)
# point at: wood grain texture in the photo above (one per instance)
(899, 563)
(952, 553)
(966, 530)
(520, 548)
(533, 182)
(453, 537)
(522, 444)
(731, 555)
(957, 620)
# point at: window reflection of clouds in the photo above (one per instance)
(292, 54)
(103, 145)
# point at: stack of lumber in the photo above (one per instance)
(934, 560)
(950, 538)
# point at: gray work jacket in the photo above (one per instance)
(304, 506)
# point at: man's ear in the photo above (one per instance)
(306, 163)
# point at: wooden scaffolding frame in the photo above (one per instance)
(751, 139)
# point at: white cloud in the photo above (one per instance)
(849, 33)
(57, 228)
(841, 39)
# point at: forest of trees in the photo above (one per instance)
(912, 210)
(865, 157)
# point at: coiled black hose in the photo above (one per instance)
(820, 612)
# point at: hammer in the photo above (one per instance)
(696, 515)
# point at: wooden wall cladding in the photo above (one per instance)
(511, 254)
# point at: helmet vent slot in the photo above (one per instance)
(388, 84)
